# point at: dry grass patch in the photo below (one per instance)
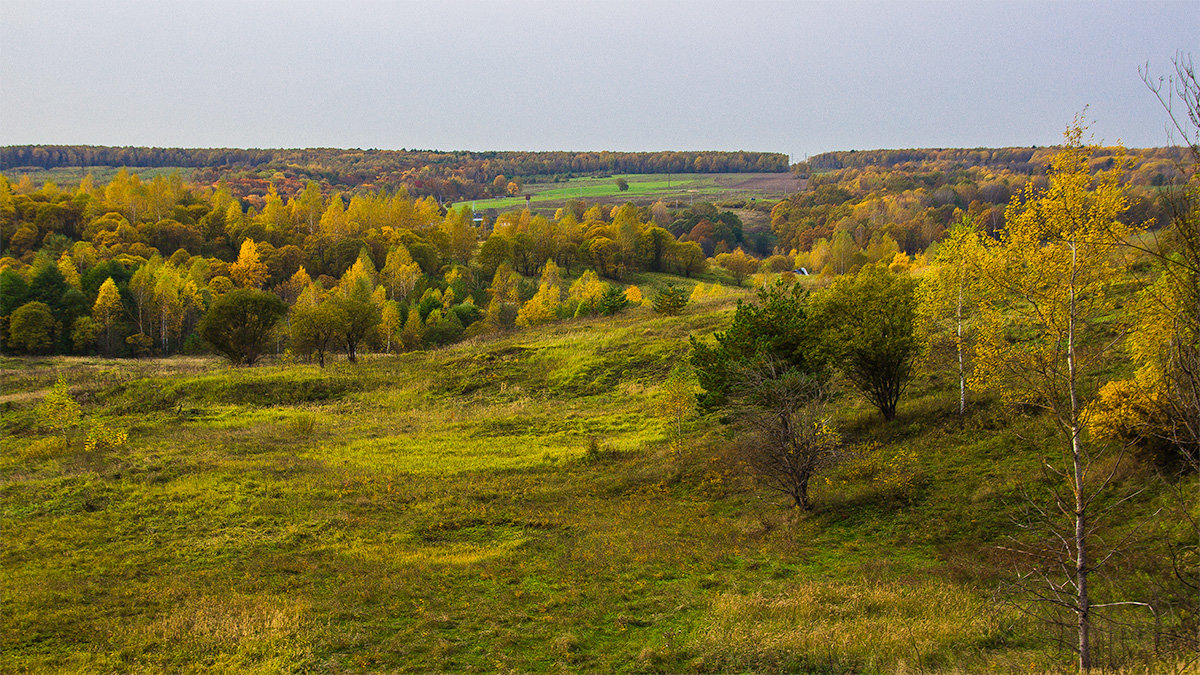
(867, 626)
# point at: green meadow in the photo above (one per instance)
(643, 188)
(513, 504)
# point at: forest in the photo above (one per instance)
(171, 246)
(447, 176)
(935, 412)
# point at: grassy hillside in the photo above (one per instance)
(509, 505)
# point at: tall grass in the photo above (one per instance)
(866, 625)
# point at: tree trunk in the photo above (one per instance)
(962, 378)
(1083, 604)
(1081, 561)
(889, 408)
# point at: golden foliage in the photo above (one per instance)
(248, 271)
(634, 295)
(1124, 410)
(587, 291)
(1046, 282)
(103, 437)
(59, 410)
(543, 306)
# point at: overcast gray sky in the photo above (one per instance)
(794, 77)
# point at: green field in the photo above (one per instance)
(67, 176)
(508, 504)
(644, 188)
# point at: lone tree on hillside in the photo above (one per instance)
(239, 323)
(768, 375)
(867, 330)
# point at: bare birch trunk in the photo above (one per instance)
(1083, 605)
(962, 377)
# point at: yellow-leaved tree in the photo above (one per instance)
(69, 271)
(248, 271)
(391, 323)
(947, 298)
(543, 306)
(1161, 402)
(738, 263)
(107, 313)
(60, 411)
(1046, 291)
(585, 293)
(175, 295)
(399, 274)
(676, 403)
(504, 298)
(460, 234)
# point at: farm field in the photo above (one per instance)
(71, 175)
(675, 189)
(505, 504)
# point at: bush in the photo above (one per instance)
(103, 437)
(239, 323)
(670, 301)
(613, 301)
(32, 328)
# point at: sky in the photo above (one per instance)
(796, 77)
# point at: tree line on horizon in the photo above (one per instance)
(1031, 159)
(447, 176)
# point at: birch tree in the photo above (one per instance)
(947, 299)
(1047, 288)
(106, 312)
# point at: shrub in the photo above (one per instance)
(32, 328)
(103, 437)
(60, 411)
(239, 323)
(613, 301)
(670, 301)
